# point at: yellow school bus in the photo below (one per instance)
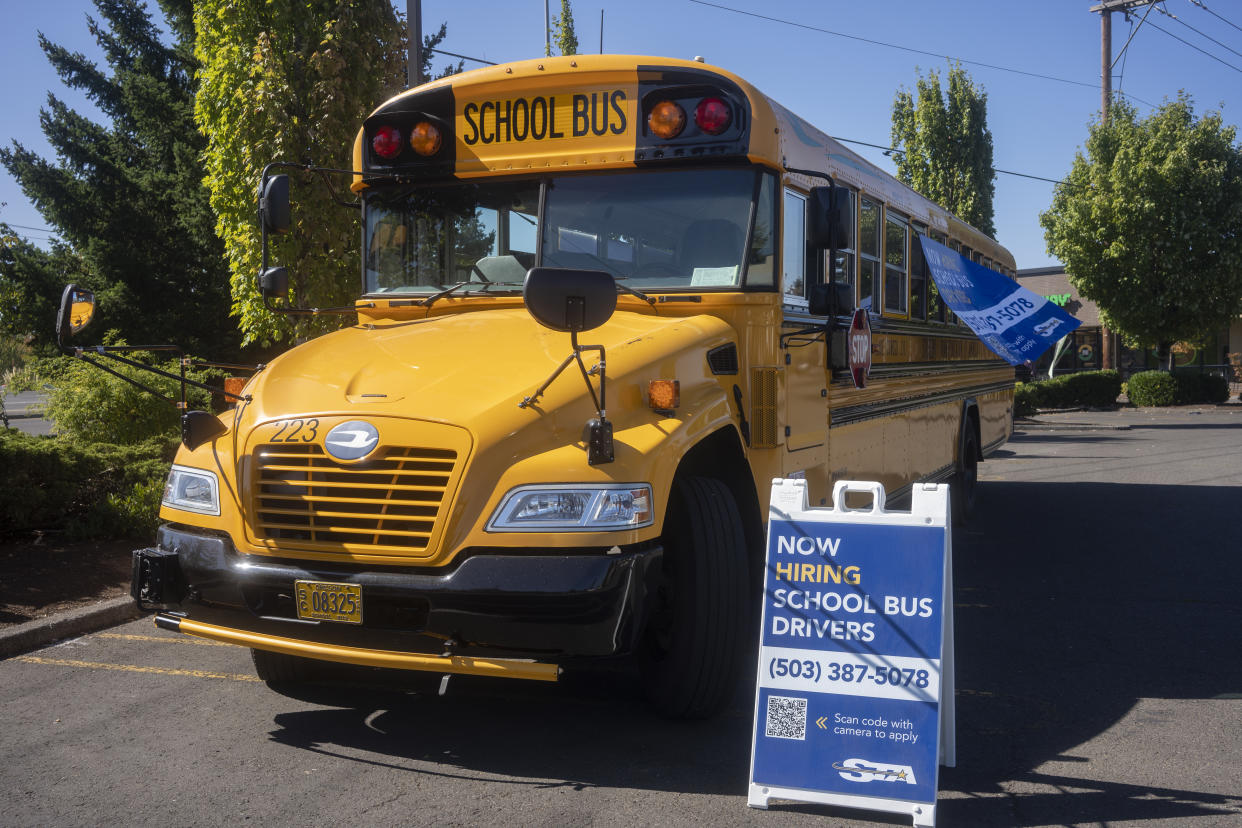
(605, 301)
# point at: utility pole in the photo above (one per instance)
(414, 25)
(1108, 344)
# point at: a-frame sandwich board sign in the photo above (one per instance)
(854, 693)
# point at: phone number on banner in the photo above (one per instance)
(850, 674)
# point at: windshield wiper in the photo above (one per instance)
(624, 288)
(454, 288)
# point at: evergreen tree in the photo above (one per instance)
(127, 195)
(31, 283)
(946, 147)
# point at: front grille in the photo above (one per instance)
(302, 494)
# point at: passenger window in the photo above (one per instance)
(759, 268)
(868, 253)
(896, 292)
(918, 274)
(793, 252)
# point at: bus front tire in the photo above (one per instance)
(279, 668)
(693, 641)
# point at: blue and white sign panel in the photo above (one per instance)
(853, 672)
(1017, 324)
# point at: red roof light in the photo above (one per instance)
(386, 142)
(713, 116)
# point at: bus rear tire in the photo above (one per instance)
(693, 642)
(279, 668)
(965, 484)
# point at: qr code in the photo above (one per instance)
(786, 718)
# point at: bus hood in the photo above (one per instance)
(464, 369)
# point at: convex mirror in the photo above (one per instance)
(77, 309)
(569, 300)
(274, 204)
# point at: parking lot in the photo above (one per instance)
(1098, 626)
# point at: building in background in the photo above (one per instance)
(1084, 353)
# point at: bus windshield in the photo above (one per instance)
(667, 229)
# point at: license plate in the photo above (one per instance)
(328, 601)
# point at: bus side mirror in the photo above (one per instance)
(832, 299)
(569, 300)
(274, 204)
(274, 283)
(572, 301)
(830, 217)
(77, 309)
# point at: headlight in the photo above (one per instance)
(573, 508)
(192, 490)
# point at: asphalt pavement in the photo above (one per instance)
(1097, 630)
(25, 412)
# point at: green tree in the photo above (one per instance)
(290, 80)
(946, 146)
(563, 31)
(127, 195)
(31, 283)
(1147, 223)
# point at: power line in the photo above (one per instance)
(36, 229)
(1214, 14)
(905, 48)
(891, 150)
(1187, 42)
(1196, 31)
(464, 57)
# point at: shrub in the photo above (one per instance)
(1215, 389)
(82, 489)
(1025, 399)
(1189, 388)
(1152, 388)
(94, 406)
(1096, 389)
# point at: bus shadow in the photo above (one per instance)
(1074, 602)
(591, 730)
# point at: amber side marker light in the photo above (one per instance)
(425, 138)
(664, 395)
(666, 120)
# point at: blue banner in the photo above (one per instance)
(1017, 324)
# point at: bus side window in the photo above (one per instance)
(896, 246)
(761, 260)
(935, 307)
(918, 274)
(843, 268)
(793, 251)
(868, 254)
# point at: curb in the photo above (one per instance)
(43, 631)
(1036, 425)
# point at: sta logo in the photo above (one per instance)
(862, 770)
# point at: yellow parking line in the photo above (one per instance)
(133, 668)
(166, 639)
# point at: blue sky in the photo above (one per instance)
(844, 86)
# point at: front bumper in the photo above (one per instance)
(548, 607)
